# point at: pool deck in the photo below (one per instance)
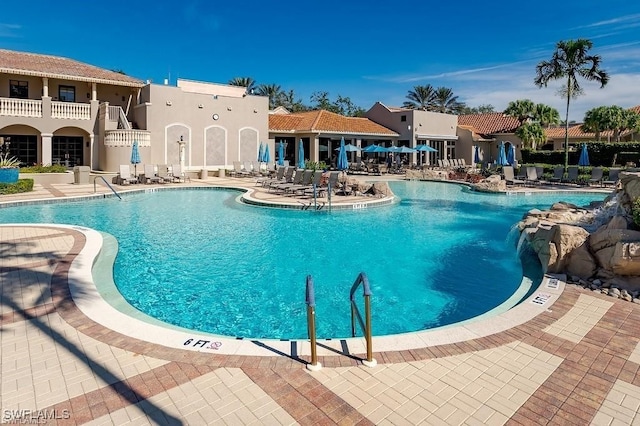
(573, 358)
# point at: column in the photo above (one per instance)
(45, 87)
(314, 148)
(91, 140)
(94, 92)
(47, 148)
(359, 153)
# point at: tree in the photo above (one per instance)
(445, 102)
(546, 115)
(571, 60)
(247, 82)
(421, 97)
(482, 109)
(531, 134)
(596, 120)
(289, 101)
(273, 91)
(523, 110)
(320, 100)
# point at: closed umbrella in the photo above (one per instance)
(301, 155)
(342, 164)
(511, 155)
(261, 153)
(266, 156)
(502, 157)
(584, 156)
(476, 157)
(281, 154)
(135, 157)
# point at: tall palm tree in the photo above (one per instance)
(247, 82)
(421, 97)
(596, 120)
(546, 115)
(531, 134)
(523, 110)
(570, 61)
(273, 91)
(445, 102)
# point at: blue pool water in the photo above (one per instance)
(200, 260)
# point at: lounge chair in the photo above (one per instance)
(288, 178)
(613, 177)
(125, 177)
(238, 170)
(596, 176)
(296, 180)
(532, 175)
(315, 183)
(510, 178)
(558, 174)
(150, 174)
(305, 181)
(572, 174)
(266, 180)
(540, 174)
(164, 174)
(178, 174)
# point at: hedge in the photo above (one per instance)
(600, 154)
(23, 185)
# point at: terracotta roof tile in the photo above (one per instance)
(24, 63)
(635, 109)
(575, 131)
(490, 123)
(325, 121)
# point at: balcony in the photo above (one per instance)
(20, 107)
(32, 108)
(123, 137)
(70, 110)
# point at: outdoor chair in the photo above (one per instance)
(532, 176)
(266, 181)
(313, 186)
(256, 168)
(288, 178)
(509, 176)
(613, 177)
(540, 174)
(558, 174)
(305, 182)
(572, 174)
(164, 174)
(297, 180)
(150, 174)
(238, 170)
(596, 176)
(178, 174)
(125, 177)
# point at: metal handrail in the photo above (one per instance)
(355, 313)
(106, 183)
(311, 323)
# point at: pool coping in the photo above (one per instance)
(88, 300)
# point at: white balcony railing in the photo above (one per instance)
(126, 137)
(20, 107)
(70, 110)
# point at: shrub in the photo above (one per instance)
(7, 162)
(23, 185)
(635, 210)
(56, 168)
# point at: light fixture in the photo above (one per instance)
(200, 106)
(169, 103)
(255, 111)
(229, 108)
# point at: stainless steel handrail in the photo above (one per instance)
(106, 183)
(311, 324)
(355, 313)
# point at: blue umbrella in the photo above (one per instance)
(584, 156)
(266, 157)
(511, 155)
(425, 148)
(261, 153)
(301, 155)
(369, 148)
(343, 164)
(476, 157)
(281, 154)
(135, 157)
(502, 157)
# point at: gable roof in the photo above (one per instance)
(24, 63)
(327, 122)
(489, 123)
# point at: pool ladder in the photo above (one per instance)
(106, 183)
(363, 281)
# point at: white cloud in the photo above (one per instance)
(10, 30)
(614, 21)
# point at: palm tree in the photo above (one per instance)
(546, 115)
(596, 120)
(421, 97)
(531, 134)
(445, 102)
(570, 61)
(273, 91)
(247, 82)
(523, 110)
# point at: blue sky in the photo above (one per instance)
(369, 51)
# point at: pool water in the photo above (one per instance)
(200, 260)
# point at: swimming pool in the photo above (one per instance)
(200, 260)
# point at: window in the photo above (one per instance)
(18, 89)
(67, 93)
(403, 118)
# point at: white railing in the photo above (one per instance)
(70, 110)
(113, 113)
(20, 107)
(126, 137)
(117, 114)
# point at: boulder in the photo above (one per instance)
(493, 183)
(626, 259)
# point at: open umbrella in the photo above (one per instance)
(476, 156)
(301, 155)
(261, 153)
(281, 154)
(511, 155)
(502, 157)
(350, 148)
(584, 156)
(425, 148)
(343, 164)
(402, 149)
(135, 157)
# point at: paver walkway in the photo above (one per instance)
(576, 363)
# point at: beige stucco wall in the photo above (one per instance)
(35, 85)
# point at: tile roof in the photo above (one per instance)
(489, 123)
(575, 131)
(327, 122)
(635, 109)
(24, 63)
